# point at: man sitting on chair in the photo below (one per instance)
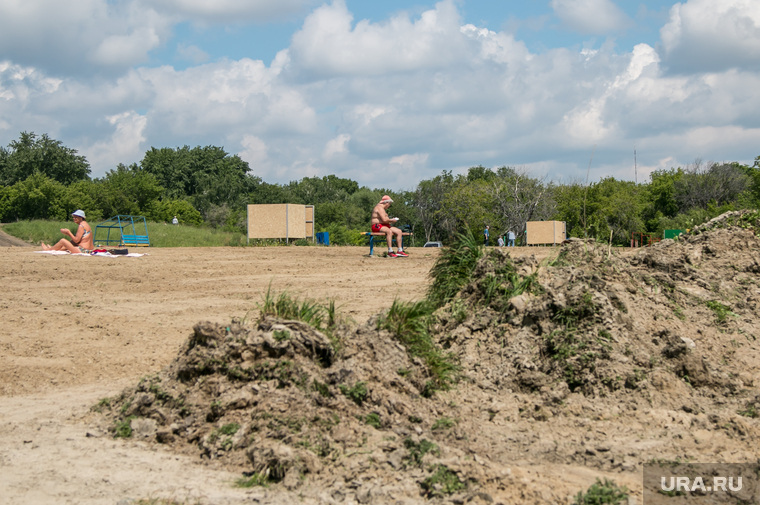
(381, 223)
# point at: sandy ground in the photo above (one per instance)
(76, 329)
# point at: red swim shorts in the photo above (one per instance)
(377, 227)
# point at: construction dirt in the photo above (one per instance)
(126, 380)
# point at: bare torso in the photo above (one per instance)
(83, 239)
(379, 215)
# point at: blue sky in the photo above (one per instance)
(389, 93)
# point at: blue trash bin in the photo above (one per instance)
(323, 238)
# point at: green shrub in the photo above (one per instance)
(602, 492)
(443, 423)
(321, 388)
(410, 323)
(417, 451)
(254, 480)
(123, 428)
(285, 307)
(373, 419)
(721, 311)
(442, 482)
(357, 393)
(454, 268)
(229, 429)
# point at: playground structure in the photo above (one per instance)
(128, 231)
(639, 239)
(280, 221)
(545, 232)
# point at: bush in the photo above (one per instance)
(602, 492)
(454, 268)
(165, 210)
(410, 323)
(342, 235)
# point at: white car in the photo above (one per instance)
(433, 244)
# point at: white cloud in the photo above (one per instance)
(336, 146)
(596, 17)
(498, 47)
(68, 38)
(328, 44)
(384, 103)
(18, 82)
(223, 98)
(192, 53)
(126, 50)
(410, 161)
(254, 150)
(234, 11)
(705, 35)
(124, 145)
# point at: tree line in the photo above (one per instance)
(40, 178)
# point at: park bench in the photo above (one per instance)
(372, 236)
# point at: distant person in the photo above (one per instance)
(381, 223)
(510, 238)
(81, 242)
(486, 235)
(500, 241)
(175, 220)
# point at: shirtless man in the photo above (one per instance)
(381, 223)
(79, 243)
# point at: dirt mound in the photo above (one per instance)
(280, 401)
(593, 359)
(601, 323)
(11, 241)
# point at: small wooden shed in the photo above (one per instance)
(545, 232)
(286, 220)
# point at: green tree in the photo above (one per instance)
(31, 154)
(750, 197)
(314, 190)
(81, 195)
(207, 175)
(265, 192)
(518, 199)
(340, 213)
(429, 202)
(662, 191)
(471, 205)
(569, 198)
(364, 199)
(38, 197)
(8, 198)
(614, 208)
(127, 190)
(719, 184)
(165, 210)
(480, 173)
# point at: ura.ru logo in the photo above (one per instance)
(698, 484)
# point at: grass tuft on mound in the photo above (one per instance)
(410, 323)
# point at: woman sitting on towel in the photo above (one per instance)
(79, 243)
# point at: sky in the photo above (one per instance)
(389, 93)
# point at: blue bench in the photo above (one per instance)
(372, 236)
(135, 240)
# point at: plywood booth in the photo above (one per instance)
(545, 232)
(282, 221)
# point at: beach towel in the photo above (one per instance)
(102, 254)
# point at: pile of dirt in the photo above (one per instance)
(275, 400)
(599, 359)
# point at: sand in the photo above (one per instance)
(77, 329)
